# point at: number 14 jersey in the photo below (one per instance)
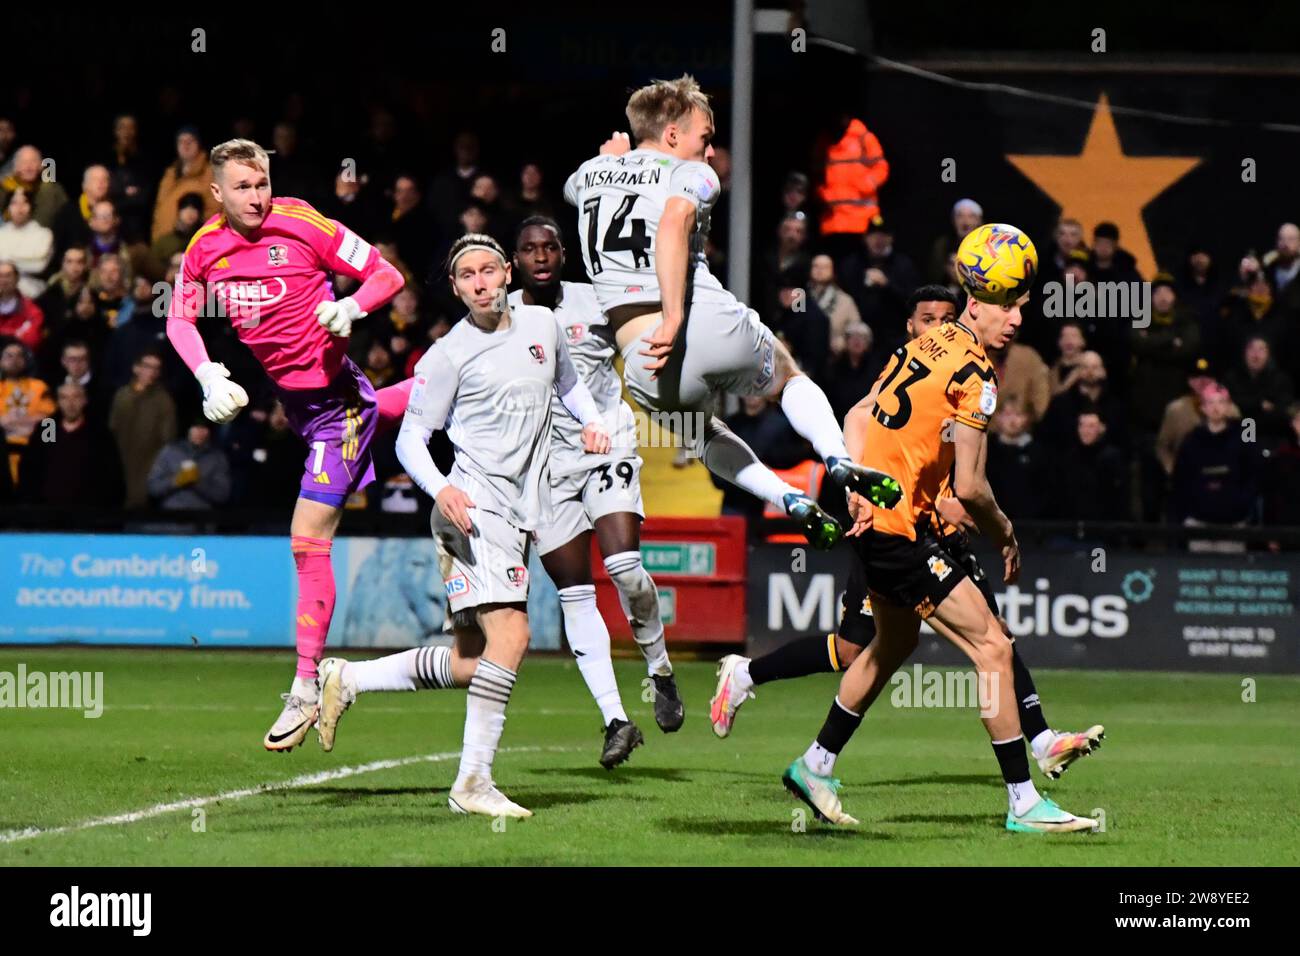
(942, 376)
(620, 201)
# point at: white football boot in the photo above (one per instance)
(479, 794)
(301, 708)
(337, 694)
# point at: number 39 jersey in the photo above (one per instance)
(620, 201)
(943, 375)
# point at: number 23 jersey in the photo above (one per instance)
(620, 201)
(943, 375)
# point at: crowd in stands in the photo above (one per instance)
(1190, 417)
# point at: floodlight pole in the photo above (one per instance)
(742, 136)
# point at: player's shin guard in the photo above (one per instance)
(810, 414)
(315, 600)
(485, 719)
(814, 654)
(1032, 721)
(589, 640)
(728, 457)
(421, 668)
(640, 599)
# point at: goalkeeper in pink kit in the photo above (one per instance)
(265, 264)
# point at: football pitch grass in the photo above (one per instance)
(173, 773)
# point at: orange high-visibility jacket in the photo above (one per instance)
(855, 169)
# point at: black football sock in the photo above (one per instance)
(1032, 721)
(802, 656)
(839, 727)
(1013, 758)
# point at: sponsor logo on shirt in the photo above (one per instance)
(277, 255)
(517, 576)
(457, 585)
(538, 353)
(576, 333)
(251, 294)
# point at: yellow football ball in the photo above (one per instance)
(996, 263)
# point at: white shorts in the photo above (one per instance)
(488, 567)
(579, 500)
(727, 350)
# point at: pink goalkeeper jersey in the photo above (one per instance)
(269, 284)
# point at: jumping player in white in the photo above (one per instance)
(643, 217)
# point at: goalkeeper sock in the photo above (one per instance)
(315, 599)
(810, 414)
(802, 656)
(392, 402)
(1032, 721)
(421, 668)
(485, 718)
(640, 599)
(589, 640)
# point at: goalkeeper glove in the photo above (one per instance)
(339, 316)
(222, 399)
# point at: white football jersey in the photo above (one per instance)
(620, 201)
(584, 329)
(492, 391)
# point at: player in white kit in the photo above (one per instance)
(643, 216)
(600, 493)
(488, 382)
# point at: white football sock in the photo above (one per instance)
(1041, 742)
(589, 641)
(728, 457)
(819, 760)
(305, 688)
(1022, 796)
(485, 719)
(640, 599)
(421, 668)
(810, 414)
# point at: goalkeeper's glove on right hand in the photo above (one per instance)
(222, 398)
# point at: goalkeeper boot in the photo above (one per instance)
(670, 712)
(1046, 817)
(621, 738)
(821, 530)
(1065, 749)
(822, 794)
(478, 794)
(337, 694)
(876, 486)
(301, 708)
(726, 700)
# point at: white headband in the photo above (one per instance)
(473, 247)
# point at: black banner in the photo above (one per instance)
(1101, 608)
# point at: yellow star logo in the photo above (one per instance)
(1102, 184)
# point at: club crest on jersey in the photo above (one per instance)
(633, 288)
(938, 566)
(457, 585)
(277, 255)
(538, 353)
(866, 607)
(575, 334)
(517, 576)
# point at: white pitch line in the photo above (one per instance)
(305, 780)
